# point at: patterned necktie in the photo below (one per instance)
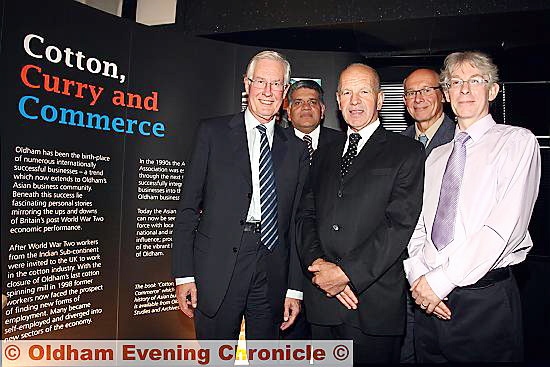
(309, 143)
(268, 194)
(443, 229)
(348, 158)
(423, 139)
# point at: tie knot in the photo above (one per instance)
(462, 137)
(307, 139)
(354, 138)
(262, 129)
(423, 139)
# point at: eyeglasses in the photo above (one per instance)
(424, 92)
(476, 81)
(261, 84)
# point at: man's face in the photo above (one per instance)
(264, 103)
(425, 109)
(470, 103)
(358, 98)
(306, 110)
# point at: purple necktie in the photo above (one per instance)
(443, 229)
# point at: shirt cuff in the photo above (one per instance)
(291, 293)
(414, 269)
(440, 283)
(180, 281)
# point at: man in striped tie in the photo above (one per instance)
(234, 249)
(306, 110)
(480, 190)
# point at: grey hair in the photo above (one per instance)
(308, 84)
(476, 59)
(269, 55)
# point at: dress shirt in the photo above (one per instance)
(314, 136)
(254, 211)
(498, 192)
(365, 133)
(431, 130)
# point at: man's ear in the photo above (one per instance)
(493, 91)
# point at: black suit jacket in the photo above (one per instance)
(214, 205)
(363, 223)
(443, 135)
(327, 135)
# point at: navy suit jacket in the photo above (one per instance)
(214, 205)
(443, 135)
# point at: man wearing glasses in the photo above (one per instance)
(234, 249)
(479, 196)
(424, 99)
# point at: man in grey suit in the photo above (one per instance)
(424, 99)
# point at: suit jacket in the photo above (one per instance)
(363, 223)
(443, 135)
(327, 135)
(214, 205)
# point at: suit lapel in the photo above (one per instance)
(279, 147)
(239, 142)
(369, 152)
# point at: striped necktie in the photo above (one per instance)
(443, 229)
(268, 194)
(309, 144)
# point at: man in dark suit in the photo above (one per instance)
(424, 100)
(357, 213)
(234, 243)
(306, 110)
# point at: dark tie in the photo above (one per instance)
(309, 144)
(268, 194)
(423, 139)
(443, 229)
(348, 158)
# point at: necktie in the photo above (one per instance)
(443, 229)
(309, 143)
(268, 194)
(423, 139)
(348, 158)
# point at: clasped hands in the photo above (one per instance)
(427, 300)
(330, 278)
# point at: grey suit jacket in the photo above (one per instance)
(444, 134)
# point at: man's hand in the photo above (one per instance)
(348, 298)
(187, 298)
(292, 309)
(428, 301)
(328, 276)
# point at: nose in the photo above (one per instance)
(355, 99)
(465, 88)
(418, 97)
(267, 89)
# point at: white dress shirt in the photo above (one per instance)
(498, 192)
(365, 133)
(254, 211)
(314, 136)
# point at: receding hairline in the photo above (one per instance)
(433, 73)
(370, 69)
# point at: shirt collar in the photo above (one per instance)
(314, 134)
(478, 128)
(365, 132)
(251, 122)
(431, 130)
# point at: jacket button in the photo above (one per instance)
(241, 222)
(235, 249)
(335, 227)
(249, 195)
(339, 193)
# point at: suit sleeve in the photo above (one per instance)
(188, 214)
(295, 275)
(370, 260)
(308, 242)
